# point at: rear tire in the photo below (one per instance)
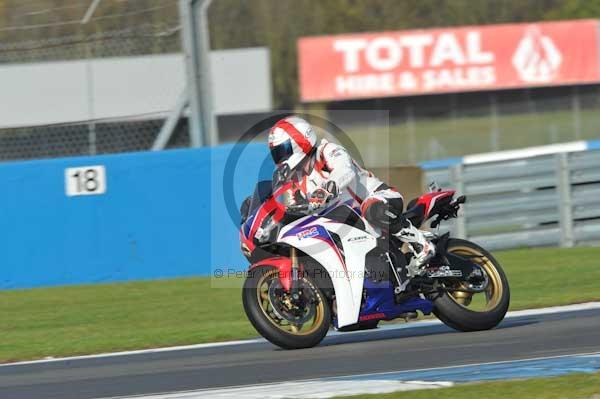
(266, 323)
(458, 316)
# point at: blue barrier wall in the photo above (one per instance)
(163, 215)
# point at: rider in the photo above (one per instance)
(326, 169)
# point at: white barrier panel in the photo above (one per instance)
(525, 152)
(125, 87)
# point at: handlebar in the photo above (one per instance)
(460, 200)
(451, 211)
(305, 208)
(299, 208)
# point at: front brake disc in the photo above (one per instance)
(288, 310)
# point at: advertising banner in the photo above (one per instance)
(448, 60)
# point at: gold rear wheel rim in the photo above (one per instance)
(309, 327)
(488, 299)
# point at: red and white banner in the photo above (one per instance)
(448, 60)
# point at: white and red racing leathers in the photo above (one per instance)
(332, 163)
(380, 204)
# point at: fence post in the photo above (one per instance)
(565, 203)
(576, 111)
(412, 135)
(197, 130)
(456, 175)
(168, 128)
(196, 48)
(495, 131)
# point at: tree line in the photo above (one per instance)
(277, 24)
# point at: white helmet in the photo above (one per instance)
(291, 140)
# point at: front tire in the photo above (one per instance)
(274, 315)
(459, 310)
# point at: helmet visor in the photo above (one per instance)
(282, 152)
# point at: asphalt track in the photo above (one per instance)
(383, 350)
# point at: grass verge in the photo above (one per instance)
(577, 386)
(66, 321)
(434, 138)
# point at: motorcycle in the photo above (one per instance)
(311, 270)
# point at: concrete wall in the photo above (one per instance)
(162, 214)
(160, 217)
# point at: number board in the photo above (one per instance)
(85, 180)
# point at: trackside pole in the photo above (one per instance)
(457, 179)
(161, 141)
(565, 205)
(196, 47)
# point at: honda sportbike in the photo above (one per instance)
(310, 271)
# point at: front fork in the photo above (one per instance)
(295, 273)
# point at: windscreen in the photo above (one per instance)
(262, 191)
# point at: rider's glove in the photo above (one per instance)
(318, 198)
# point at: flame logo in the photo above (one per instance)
(537, 60)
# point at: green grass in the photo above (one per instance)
(99, 318)
(578, 386)
(551, 276)
(443, 137)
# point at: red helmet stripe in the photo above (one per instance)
(296, 135)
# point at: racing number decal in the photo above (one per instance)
(85, 180)
(90, 183)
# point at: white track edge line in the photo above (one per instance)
(415, 324)
(268, 384)
(470, 365)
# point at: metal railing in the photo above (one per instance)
(551, 200)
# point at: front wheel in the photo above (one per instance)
(290, 323)
(463, 310)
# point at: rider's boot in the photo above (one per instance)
(422, 248)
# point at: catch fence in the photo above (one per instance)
(43, 33)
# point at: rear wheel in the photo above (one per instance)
(290, 323)
(464, 310)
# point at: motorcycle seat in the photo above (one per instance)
(415, 213)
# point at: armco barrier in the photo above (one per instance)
(153, 221)
(542, 196)
(521, 153)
